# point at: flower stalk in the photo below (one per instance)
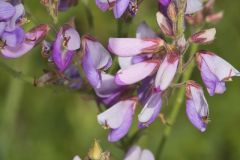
(179, 100)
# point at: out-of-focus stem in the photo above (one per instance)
(15, 74)
(177, 106)
(12, 103)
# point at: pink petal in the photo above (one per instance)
(126, 47)
(136, 72)
(166, 72)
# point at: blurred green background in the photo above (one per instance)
(48, 124)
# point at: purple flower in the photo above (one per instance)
(31, 38)
(65, 46)
(136, 153)
(214, 71)
(72, 78)
(95, 58)
(197, 107)
(166, 71)
(151, 109)
(65, 4)
(109, 92)
(118, 118)
(118, 6)
(7, 10)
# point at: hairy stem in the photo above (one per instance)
(179, 100)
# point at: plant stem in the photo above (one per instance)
(179, 100)
(12, 104)
(15, 74)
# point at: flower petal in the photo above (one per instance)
(108, 86)
(14, 38)
(6, 10)
(114, 116)
(218, 66)
(20, 11)
(147, 155)
(120, 7)
(210, 80)
(100, 56)
(32, 37)
(144, 31)
(76, 158)
(193, 6)
(133, 153)
(125, 62)
(151, 110)
(2, 27)
(166, 72)
(136, 72)
(126, 47)
(62, 57)
(197, 106)
(104, 4)
(74, 39)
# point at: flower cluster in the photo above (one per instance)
(14, 42)
(150, 65)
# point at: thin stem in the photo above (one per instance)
(177, 106)
(11, 107)
(16, 74)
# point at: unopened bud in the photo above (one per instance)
(164, 24)
(172, 12)
(95, 151)
(203, 37)
(215, 17)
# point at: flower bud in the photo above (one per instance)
(172, 12)
(203, 37)
(164, 24)
(215, 17)
(95, 151)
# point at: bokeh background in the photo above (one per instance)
(52, 124)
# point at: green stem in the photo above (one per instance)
(11, 107)
(15, 74)
(179, 100)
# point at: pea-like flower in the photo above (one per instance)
(136, 153)
(109, 92)
(118, 6)
(14, 42)
(214, 71)
(196, 106)
(65, 45)
(95, 59)
(118, 118)
(31, 38)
